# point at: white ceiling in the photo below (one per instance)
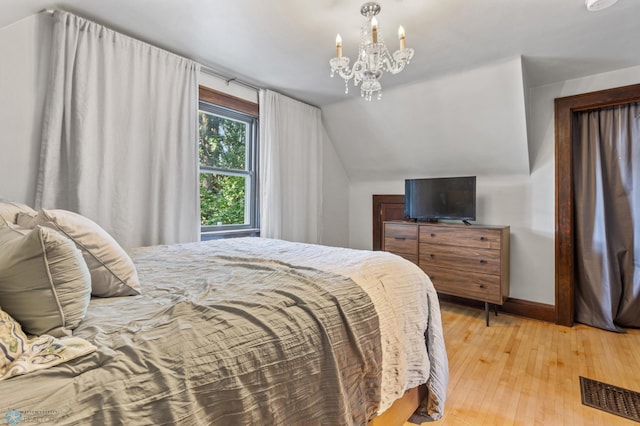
(285, 45)
(459, 108)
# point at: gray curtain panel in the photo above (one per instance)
(120, 141)
(606, 148)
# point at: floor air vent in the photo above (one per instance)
(612, 399)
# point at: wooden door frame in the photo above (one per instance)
(565, 109)
(378, 201)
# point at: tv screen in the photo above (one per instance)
(452, 198)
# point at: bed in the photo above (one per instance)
(249, 331)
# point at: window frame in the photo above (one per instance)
(226, 106)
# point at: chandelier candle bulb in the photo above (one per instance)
(374, 30)
(402, 38)
(339, 46)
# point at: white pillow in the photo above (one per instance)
(112, 270)
(9, 210)
(44, 281)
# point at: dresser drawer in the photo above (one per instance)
(410, 257)
(464, 259)
(401, 239)
(469, 285)
(461, 237)
(401, 246)
(401, 230)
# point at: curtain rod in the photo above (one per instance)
(204, 68)
(228, 80)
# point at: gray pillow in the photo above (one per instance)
(112, 270)
(44, 282)
(9, 210)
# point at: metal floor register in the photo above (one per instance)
(612, 399)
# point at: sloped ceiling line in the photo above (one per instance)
(471, 123)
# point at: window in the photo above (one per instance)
(227, 149)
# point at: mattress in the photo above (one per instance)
(249, 331)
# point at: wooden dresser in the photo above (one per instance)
(465, 261)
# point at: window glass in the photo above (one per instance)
(223, 141)
(223, 200)
(227, 150)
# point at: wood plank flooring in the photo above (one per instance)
(525, 372)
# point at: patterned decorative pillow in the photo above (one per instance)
(21, 355)
(112, 270)
(44, 280)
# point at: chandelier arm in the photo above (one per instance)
(400, 59)
(358, 68)
(394, 67)
(346, 74)
(388, 63)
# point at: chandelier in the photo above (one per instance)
(373, 56)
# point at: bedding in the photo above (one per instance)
(9, 210)
(20, 354)
(44, 282)
(112, 271)
(249, 331)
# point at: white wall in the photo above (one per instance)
(501, 200)
(335, 202)
(24, 49)
(475, 116)
(525, 202)
(335, 185)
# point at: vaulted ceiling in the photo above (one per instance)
(286, 44)
(458, 107)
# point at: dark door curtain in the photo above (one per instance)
(606, 152)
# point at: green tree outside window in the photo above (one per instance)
(223, 161)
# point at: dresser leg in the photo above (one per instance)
(486, 312)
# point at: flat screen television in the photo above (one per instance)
(452, 198)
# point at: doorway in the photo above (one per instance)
(565, 110)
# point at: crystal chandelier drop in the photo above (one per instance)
(373, 56)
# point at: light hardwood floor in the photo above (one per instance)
(525, 372)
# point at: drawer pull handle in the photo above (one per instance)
(482, 261)
(481, 285)
(432, 255)
(400, 238)
(432, 235)
(481, 238)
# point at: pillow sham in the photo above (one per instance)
(9, 210)
(44, 281)
(21, 355)
(112, 270)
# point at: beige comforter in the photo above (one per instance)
(249, 331)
